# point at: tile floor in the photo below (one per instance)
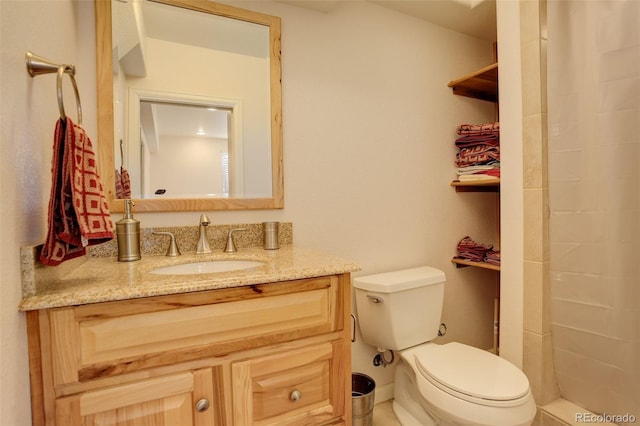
(557, 413)
(383, 414)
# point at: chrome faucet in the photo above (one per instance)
(203, 242)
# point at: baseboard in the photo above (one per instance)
(384, 393)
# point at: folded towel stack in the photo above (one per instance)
(78, 211)
(468, 249)
(479, 155)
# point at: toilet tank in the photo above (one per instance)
(400, 309)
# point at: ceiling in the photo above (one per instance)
(184, 26)
(476, 18)
(162, 119)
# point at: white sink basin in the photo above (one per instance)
(207, 267)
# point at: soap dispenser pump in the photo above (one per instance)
(128, 234)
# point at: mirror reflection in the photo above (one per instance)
(196, 105)
(224, 58)
(183, 151)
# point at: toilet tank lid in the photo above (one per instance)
(389, 282)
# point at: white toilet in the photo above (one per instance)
(450, 384)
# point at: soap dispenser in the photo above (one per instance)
(128, 234)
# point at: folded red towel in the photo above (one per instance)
(471, 250)
(479, 129)
(471, 141)
(78, 211)
(478, 155)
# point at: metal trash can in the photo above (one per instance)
(362, 399)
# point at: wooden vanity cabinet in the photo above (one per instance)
(266, 354)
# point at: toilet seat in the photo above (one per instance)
(472, 374)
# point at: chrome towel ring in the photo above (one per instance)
(37, 65)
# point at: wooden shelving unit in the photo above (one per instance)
(461, 263)
(482, 84)
(492, 185)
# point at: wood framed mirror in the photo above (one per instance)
(119, 130)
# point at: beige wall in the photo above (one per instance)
(533, 272)
(368, 128)
(525, 319)
(538, 356)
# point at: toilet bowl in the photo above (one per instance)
(449, 384)
(461, 385)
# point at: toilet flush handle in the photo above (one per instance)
(374, 299)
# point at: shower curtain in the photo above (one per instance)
(593, 83)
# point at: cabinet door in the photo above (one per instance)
(178, 399)
(300, 387)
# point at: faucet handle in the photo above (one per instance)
(173, 249)
(231, 247)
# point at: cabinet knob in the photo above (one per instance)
(295, 395)
(202, 405)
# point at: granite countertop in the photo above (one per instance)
(105, 279)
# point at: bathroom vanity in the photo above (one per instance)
(268, 345)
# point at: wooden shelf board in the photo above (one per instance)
(461, 263)
(492, 185)
(482, 84)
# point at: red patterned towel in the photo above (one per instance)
(477, 155)
(126, 183)
(123, 183)
(118, 184)
(471, 250)
(78, 211)
(470, 141)
(479, 129)
(492, 257)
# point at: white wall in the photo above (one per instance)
(28, 114)
(368, 153)
(199, 172)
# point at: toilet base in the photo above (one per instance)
(405, 418)
(406, 399)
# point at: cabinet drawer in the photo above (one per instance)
(112, 338)
(159, 401)
(289, 388)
